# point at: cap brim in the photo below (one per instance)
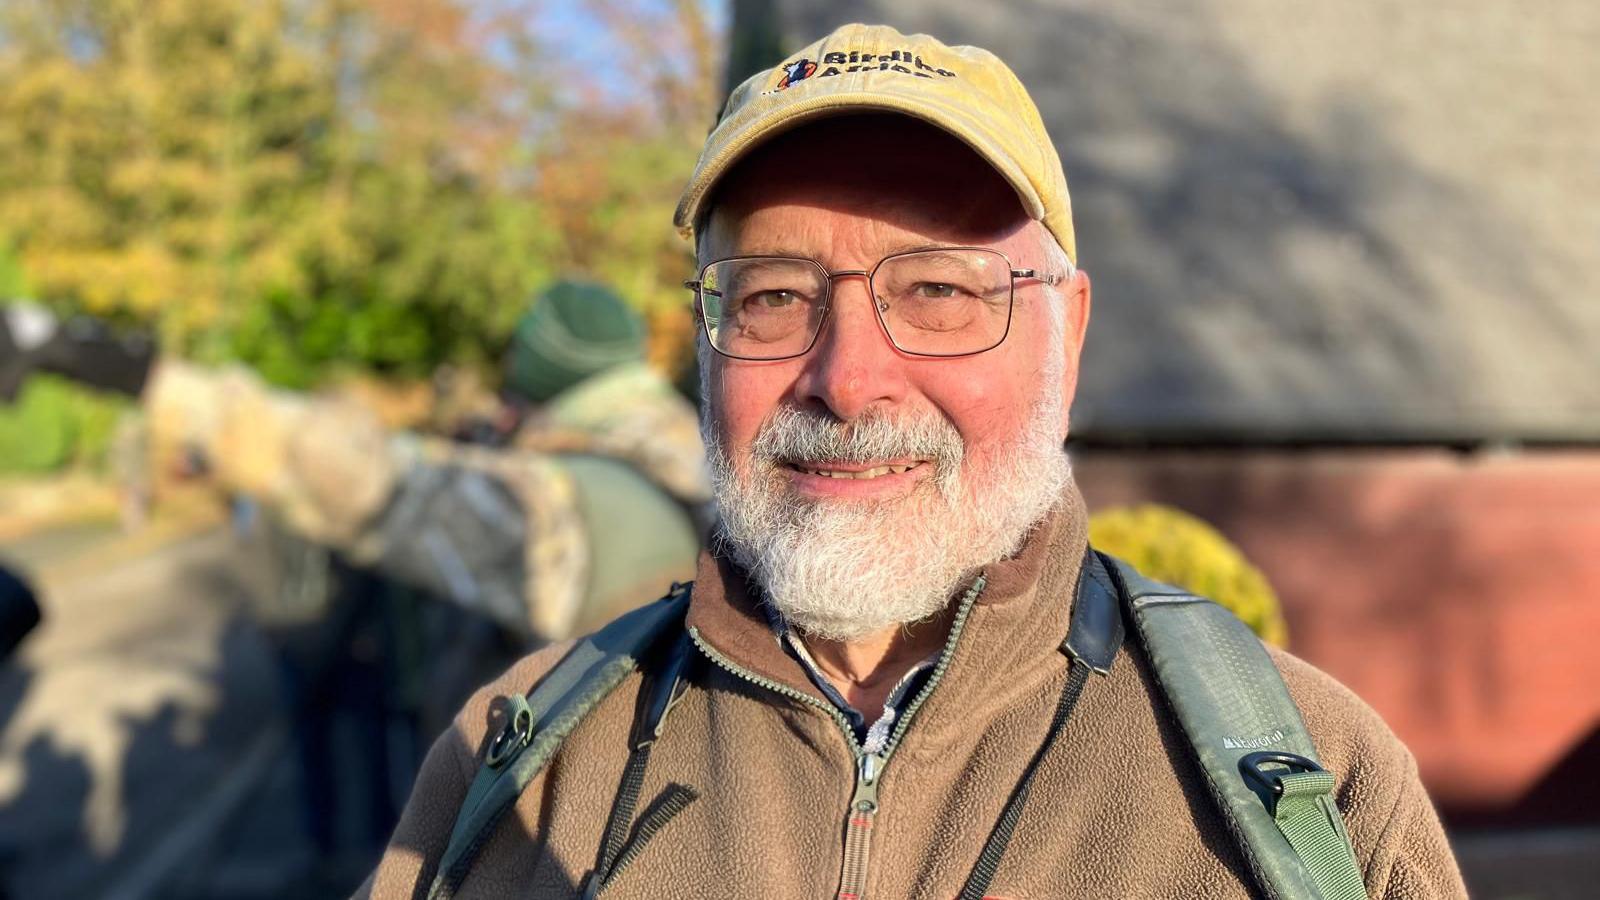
(780, 119)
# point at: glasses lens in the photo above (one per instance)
(945, 302)
(762, 308)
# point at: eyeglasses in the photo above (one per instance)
(949, 301)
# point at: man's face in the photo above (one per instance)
(857, 471)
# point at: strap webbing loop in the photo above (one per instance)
(1306, 814)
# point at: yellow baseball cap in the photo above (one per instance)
(966, 91)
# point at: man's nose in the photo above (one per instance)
(854, 366)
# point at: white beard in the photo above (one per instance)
(840, 569)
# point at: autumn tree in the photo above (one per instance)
(308, 184)
(150, 150)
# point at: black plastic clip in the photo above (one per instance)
(512, 738)
(1251, 764)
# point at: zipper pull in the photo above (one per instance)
(865, 798)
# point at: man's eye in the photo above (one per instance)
(933, 290)
(772, 299)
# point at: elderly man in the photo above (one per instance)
(876, 689)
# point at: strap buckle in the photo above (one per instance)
(1272, 782)
(513, 737)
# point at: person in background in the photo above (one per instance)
(582, 492)
(565, 503)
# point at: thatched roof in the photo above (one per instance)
(1367, 221)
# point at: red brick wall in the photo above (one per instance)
(1458, 594)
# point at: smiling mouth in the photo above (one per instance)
(855, 474)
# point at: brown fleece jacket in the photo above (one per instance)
(1118, 808)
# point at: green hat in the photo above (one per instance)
(574, 330)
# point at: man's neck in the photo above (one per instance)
(866, 670)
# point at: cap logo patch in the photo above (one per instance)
(901, 62)
(799, 70)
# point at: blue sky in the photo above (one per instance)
(575, 25)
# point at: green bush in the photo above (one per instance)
(54, 424)
(325, 187)
(1172, 546)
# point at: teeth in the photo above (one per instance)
(874, 472)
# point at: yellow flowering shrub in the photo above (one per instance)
(1172, 546)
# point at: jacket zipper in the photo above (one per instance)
(858, 827)
(739, 671)
(863, 811)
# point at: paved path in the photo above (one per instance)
(140, 719)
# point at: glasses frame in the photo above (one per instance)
(697, 285)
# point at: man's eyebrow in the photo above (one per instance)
(765, 260)
(788, 252)
(934, 248)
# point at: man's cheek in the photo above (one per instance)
(978, 403)
(987, 428)
(733, 423)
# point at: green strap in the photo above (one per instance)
(1307, 816)
(1231, 702)
(535, 726)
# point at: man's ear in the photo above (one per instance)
(1077, 296)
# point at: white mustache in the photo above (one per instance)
(796, 436)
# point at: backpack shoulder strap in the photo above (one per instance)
(1248, 736)
(536, 725)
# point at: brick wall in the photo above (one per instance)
(1458, 594)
